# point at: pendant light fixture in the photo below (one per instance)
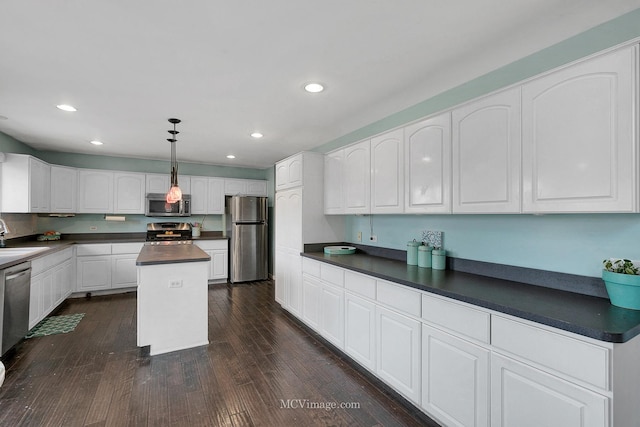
(174, 194)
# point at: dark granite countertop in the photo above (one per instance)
(170, 254)
(585, 315)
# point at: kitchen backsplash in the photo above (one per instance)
(20, 225)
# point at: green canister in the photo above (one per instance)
(412, 252)
(438, 259)
(424, 256)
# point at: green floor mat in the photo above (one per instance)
(55, 325)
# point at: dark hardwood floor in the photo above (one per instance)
(261, 368)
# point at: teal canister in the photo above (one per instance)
(424, 256)
(412, 252)
(438, 259)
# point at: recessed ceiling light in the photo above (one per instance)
(65, 107)
(95, 142)
(313, 87)
(257, 135)
(231, 156)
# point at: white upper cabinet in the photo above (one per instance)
(95, 191)
(157, 183)
(486, 154)
(64, 189)
(334, 182)
(387, 172)
(207, 195)
(25, 184)
(129, 192)
(428, 165)
(289, 172)
(578, 137)
(357, 178)
(245, 187)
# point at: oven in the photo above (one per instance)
(168, 233)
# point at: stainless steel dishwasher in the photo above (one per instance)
(15, 293)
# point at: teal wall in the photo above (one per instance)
(574, 243)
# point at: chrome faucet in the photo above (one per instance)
(3, 229)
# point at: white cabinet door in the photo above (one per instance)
(289, 172)
(219, 264)
(360, 327)
(579, 139)
(157, 183)
(47, 292)
(332, 314)
(357, 178)
(398, 352)
(215, 196)
(523, 396)
(129, 192)
(35, 300)
(455, 379)
(293, 283)
(486, 154)
(334, 182)
(311, 292)
(64, 189)
(233, 187)
(95, 191)
(199, 186)
(93, 273)
(280, 270)
(63, 280)
(387, 172)
(428, 166)
(256, 187)
(40, 185)
(124, 273)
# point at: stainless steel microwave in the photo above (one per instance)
(156, 205)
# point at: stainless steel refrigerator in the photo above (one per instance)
(246, 224)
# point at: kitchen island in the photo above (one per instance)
(172, 297)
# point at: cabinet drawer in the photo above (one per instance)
(97, 249)
(331, 274)
(360, 284)
(399, 297)
(578, 359)
(212, 244)
(311, 267)
(456, 317)
(126, 248)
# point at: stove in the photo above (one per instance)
(168, 233)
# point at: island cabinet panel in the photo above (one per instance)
(427, 150)
(486, 154)
(387, 172)
(524, 396)
(579, 141)
(455, 379)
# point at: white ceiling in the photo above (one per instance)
(228, 68)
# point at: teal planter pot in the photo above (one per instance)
(623, 289)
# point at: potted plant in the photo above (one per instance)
(622, 279)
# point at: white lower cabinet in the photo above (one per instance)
(105, 266)
(332, 314)
(523, 396)
(311, 291)
(218, 250)
(398, 352)
(360, 330)
(455, 379)
(289, 281)
(52, 281)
